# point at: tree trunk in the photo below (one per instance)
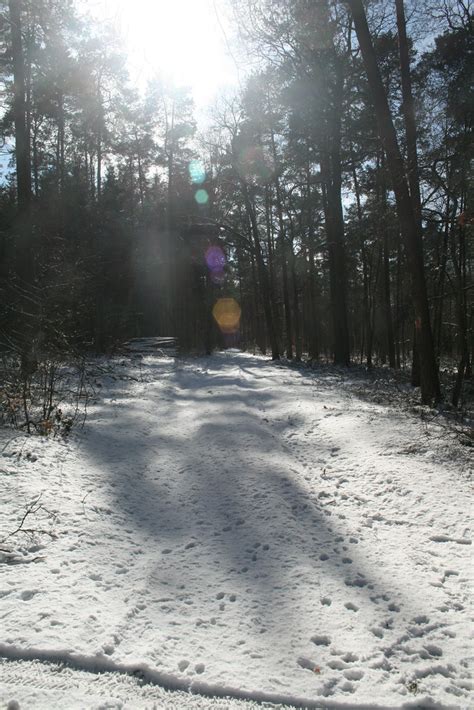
(100, 124)
(99, 163)
(259, 330)
(366, 325)
(22, 139)
(262, 274)
(284, 264)
(412, 156)
(313, 329)
(60, 147)
(386, 269)
(430, 390)
(23, 256)
(271, 253)
(296, 308)
(408, 109)
(331, 173)
(398, 309)
(461, 311)
(313, 340)
(442, 263)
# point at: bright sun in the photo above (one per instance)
(183, 40)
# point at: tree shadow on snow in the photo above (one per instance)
(228, 493)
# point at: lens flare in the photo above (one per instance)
(197, 172)
(226, 312)
(201, 197)
(215, 258)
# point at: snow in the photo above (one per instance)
(235, 528)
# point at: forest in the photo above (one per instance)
(334, 184)
(236, 315)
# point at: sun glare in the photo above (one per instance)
(182, 40)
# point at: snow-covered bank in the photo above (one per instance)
(225, 524)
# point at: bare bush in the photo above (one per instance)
(47, 399)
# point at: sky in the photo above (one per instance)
(185, 41)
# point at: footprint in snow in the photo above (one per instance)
(347, 687)
(350, 657)
(431, 651)
(377, 632)
(321, 640)
(353, 674)
(336, 665)
(28, 594)
(307, 664)
(351, 606)
(356, 582)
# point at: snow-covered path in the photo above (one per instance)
(245, 528)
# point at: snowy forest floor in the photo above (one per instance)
(234, 527)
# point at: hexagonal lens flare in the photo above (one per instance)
(226, 312)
